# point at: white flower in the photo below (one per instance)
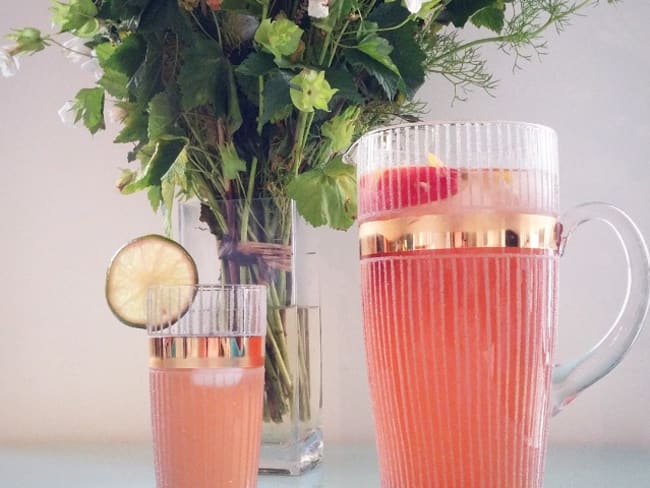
(76, 50)
(318, 8)
(8, 63)
(114, 113)
(414, 6)
(67, 115)
(92, 67)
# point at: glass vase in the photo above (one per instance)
(265, 241)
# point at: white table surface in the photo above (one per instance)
(345, 466)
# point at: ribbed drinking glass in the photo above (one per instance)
(207, 383)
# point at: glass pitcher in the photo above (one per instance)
(460, 239)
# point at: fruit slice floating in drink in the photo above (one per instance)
(408, 186)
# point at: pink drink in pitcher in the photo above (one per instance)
(460, 241)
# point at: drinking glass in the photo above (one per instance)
(206, 357)
(460, 239)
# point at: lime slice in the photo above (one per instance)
(146, 261)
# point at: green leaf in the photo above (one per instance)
(168, 192)
(327, 195)
(165, 152)
(388, 15)
(77, 17)
(378, 49)
(89, 29)
(276, 97)
(162, 115)
(340, 128)
(232, 163)
(115, 84)
(341, 79)
(126, 57)
(387, 79)
(146, 81)
(89, 107)
(135, 124)
(175, 177)
(136, 151)
(200, 74)
(154, 195)
(460, 11)
(492, 17)
(256, 64)
(233, 111)
(104, 51)
(165, 15)
(407, 54)
(119, 63)
(124, 9)
(28, 40)
(408, 58)
(280, 37)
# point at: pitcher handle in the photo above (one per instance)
(572, 377)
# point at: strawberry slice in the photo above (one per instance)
(406, 186)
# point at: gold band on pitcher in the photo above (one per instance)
(431, 232)
(206, 352)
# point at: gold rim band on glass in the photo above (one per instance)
(481, 230)
(206, 352)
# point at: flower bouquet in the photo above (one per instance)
(231, 101)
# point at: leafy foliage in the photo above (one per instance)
(89, 107)
(491, 16)
(326, 195)
(77, 17)
(461, 10)
(251, 98)
(165, 152)
(200, 74)
(277, 98)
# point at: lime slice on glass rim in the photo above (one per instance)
(144, 262)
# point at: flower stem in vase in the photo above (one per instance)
(255, 247)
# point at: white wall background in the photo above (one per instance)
(69, 371)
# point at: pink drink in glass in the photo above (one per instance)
(207, 386)
(198, 441)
